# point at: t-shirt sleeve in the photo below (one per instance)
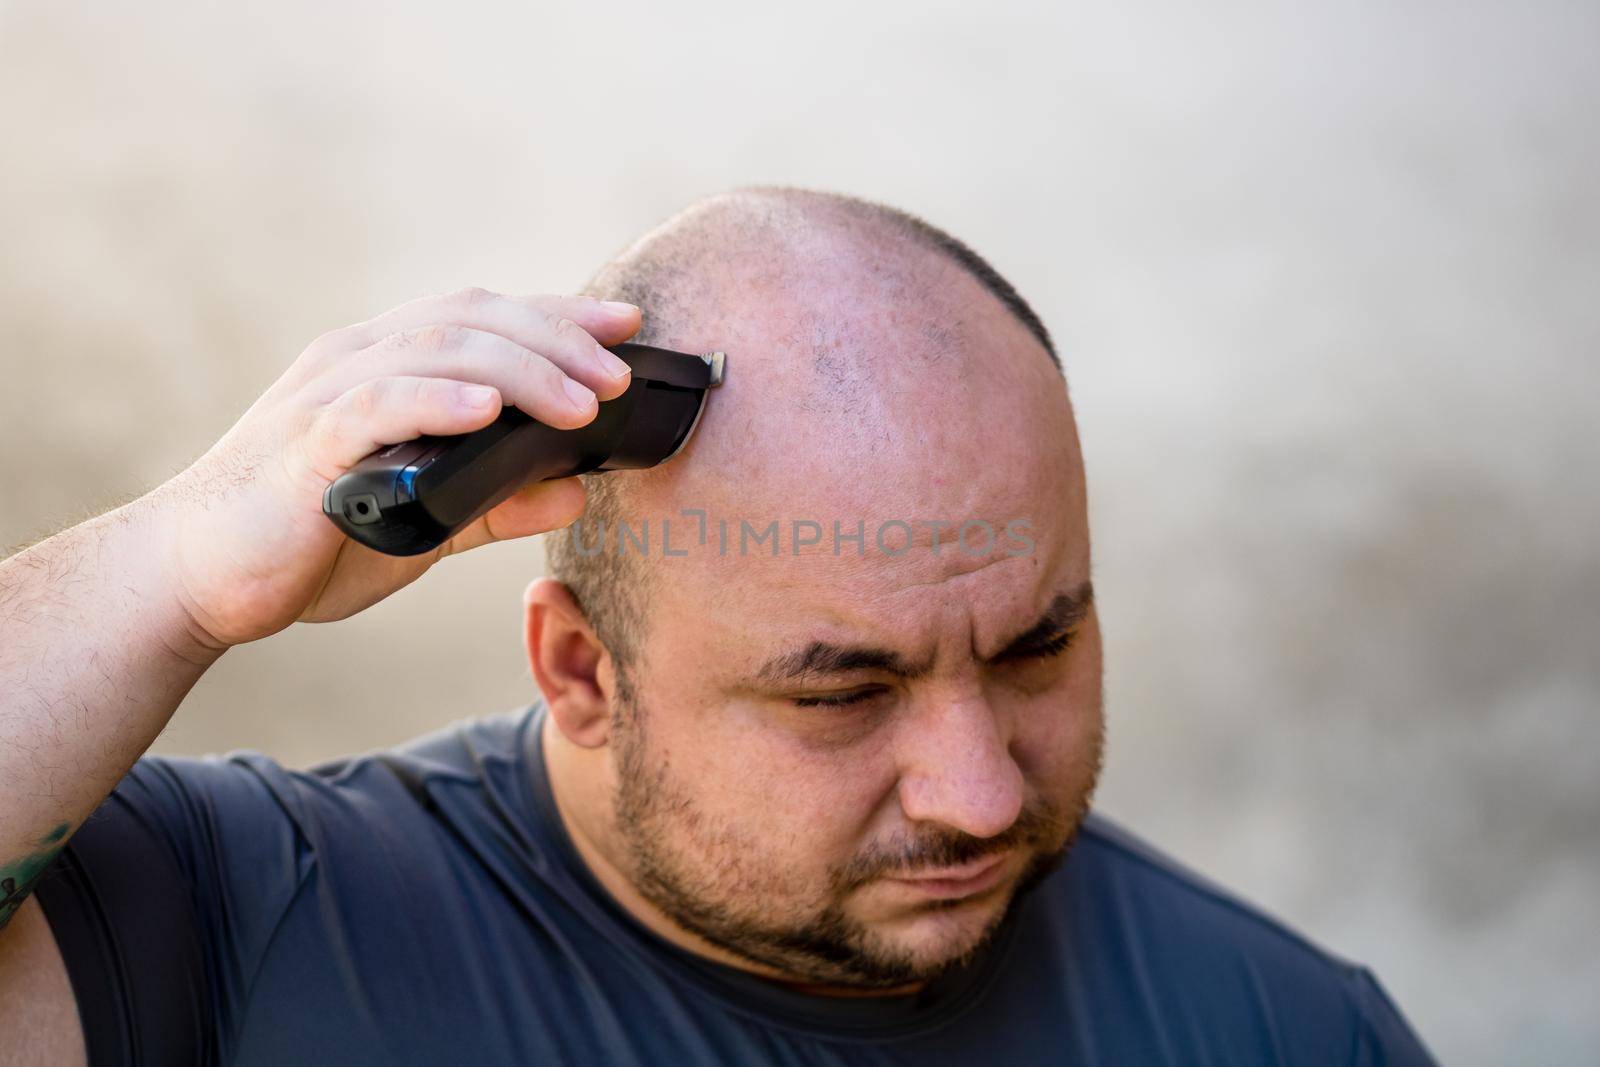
(1386, 1039)
(165, 900)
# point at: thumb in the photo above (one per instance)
(533, 509)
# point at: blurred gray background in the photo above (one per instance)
(1325, 280)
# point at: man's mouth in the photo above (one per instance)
(951, 882)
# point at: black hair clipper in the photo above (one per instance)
(414, 496)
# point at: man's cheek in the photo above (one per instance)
(1054, 744)
(1062, 727)
(803, 810)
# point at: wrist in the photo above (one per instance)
(148, 536)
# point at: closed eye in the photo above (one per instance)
(1041, 650)
(835, 700)
(1053, 646)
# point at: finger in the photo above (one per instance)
(533, 509)
(385, 411)
(572, 331)
(610, 322)
(536, 385)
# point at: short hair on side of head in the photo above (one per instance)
(609, 585)
(657, 272)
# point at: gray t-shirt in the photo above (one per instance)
(425, 905)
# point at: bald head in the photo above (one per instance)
(871, 358)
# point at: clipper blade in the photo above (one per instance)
(715, 361)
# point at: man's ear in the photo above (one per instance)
(571, 667)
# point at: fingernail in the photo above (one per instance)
(579, 394)
(619, 308)
(610, 363)
(476, 396)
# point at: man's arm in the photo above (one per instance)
(105, 627)
(38, 1015)
(94, 657)
(96, 652)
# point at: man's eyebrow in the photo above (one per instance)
(1064, 612)
(823, 657)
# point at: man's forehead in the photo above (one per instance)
(799, 508)
(842, 584)
(736, 642)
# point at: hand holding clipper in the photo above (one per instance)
(411, 497)
(482, 391)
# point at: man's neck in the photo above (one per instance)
(581, 783)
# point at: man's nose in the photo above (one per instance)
(956, 768)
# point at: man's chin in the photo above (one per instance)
(939, 933)
(934, 935)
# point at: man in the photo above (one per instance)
(810, 777)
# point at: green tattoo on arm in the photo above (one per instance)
(17, 879)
